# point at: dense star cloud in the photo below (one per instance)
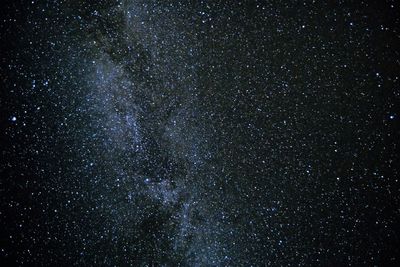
(169, 133)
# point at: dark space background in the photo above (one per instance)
(199, 133)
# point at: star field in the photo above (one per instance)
(169, 133)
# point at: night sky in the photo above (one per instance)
(199, 133)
